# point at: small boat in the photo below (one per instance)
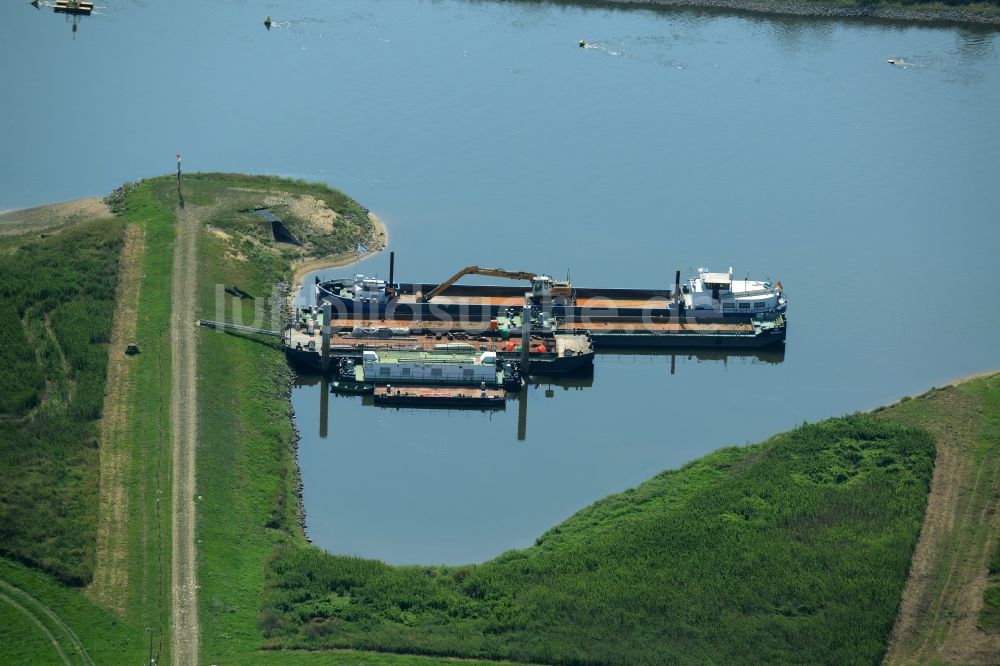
(73, 7)
(350, 387)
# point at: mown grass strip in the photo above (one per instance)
(942, 605)
(86, 632)
(48, 617)
(147, 434)
(27, 616)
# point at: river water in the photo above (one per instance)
(481, 133)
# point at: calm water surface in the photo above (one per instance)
(481, 133)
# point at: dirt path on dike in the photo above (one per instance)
(110, 585)
(939, 612)
(184, 431)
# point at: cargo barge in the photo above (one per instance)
(706, 296)
(764, 332)
(709, 310)
(550, 352)
(440, 397)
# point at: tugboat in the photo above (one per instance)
(349, 379)
(720, 292)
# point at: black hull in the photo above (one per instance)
(440, 403)
(566, 365)
(607, 341)
(303, 359)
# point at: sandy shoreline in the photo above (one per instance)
(302, 268)
(50, 217)
(823, 9)
(972, 377)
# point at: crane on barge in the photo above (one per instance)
(543, 287)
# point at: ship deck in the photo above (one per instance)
(440, 397)
(473, 328)
(422, 342)
(440, 392)
(436, 334)
(503, 301)
(662, 327)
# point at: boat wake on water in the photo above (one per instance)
(955, 62)
(905, 64)
(294, 24)
(611, 50)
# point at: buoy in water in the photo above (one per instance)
(267, 21)
(583, 44)
(891, 61)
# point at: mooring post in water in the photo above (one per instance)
(522, 412)
(327, 314)
(392, 267)
(678, 297)
(324, 406)
(525, 340)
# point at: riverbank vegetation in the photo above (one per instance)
(56, 304)
(799, 546)
(985, 12)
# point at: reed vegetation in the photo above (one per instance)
(56, 306)
(794, 550)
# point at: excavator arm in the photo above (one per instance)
(478, 270)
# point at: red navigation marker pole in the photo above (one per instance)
(180, 197)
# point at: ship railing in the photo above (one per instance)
(756, 292)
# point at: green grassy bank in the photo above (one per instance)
(799, 546)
